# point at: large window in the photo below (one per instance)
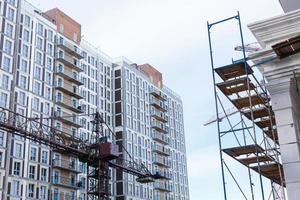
(24, 66)
(1, 156)
(25, 50)
(9, 29)
(37, 88)
(27, 21)
(38, 58)
(31, 190)
(37, 72)
(26, 35)
(33, 152)
(1, 138)
(11, 14)
(4, 82)
(22, 98)
(8, 47)
(15, 190)
(45, 157)
(3, 100)
(18, 150)
(32, 172)
(43, 190)
(23, 82)
(44, 174)
(17, 168)
(36, 104)
(6, 63)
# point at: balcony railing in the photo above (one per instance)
(159, 126)
(160, 149)
(165, 173)
(64, 196)
(69, 104)
(162, 161)
(162, 185)
(66, 182)
(67, 165)
(68, 75)
(68, 119)
(159, 115)
(158, 94)
(160, 105)
(70, 48)
(69, 61)
(68, 89)
(160, 137)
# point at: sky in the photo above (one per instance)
(172, 36)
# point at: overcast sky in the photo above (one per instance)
(172, 36)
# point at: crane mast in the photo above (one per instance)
(98, 153)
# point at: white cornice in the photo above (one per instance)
(276, 29)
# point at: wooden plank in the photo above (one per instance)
(271, 171)
(265, 123)
(233, 70)
(235, 86)
(251, 160)
(244, 102)
(243, 150)
(258, 113)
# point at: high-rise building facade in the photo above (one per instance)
(49, 73)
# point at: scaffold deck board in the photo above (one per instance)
(244, 102)
(233, 70)
(258, 113)
(265, 123)
(252, 160)
(271, 171)
(235, 86)
(288, 47)
(243, 150)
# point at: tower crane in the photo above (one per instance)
(99, 154)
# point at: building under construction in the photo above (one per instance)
(262, 132)
(76, 124)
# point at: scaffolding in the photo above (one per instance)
(249, 136)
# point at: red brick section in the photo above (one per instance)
(154, 74)
(71, 27)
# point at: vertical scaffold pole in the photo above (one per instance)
(217, 110)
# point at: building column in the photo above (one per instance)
(286, 105)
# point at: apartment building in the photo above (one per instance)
(49, 73)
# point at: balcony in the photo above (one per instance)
(68, 47)
(68, 89)
(161, 116)
(165, 173)
(66, 165)
(66, 182)
(158, 94)
(160, 137)
(159, 105)
(69, 61)
(68, 119)
(68, 75)
(162, 161)
(163, 186)
(68, 104)
(161, 150)
(62, 195)
(159, 126)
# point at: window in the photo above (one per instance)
(15, 187)
(31, 190)
(11, 14)
(37, 88)
(6, 63)
(39, 43)
(4, 82)
(17, 168)
(38, 58)
(11, 2)
(45, 157)
(27, 21)
(48, 93)
(36, 104)
(1, 156)
(23, 82)
(26, 35)
(49, 49)
(25, 51)
(48, 78)
(3, 100)
(32, 172)
(18, 150)
(33, 152)
(37, 72)
(61, 28)
(22, 98)
(50, 35)
(1, 138)
(49, 63)
(40, 29)
(43, 190)
(47, 108)
(43, 174)
(9, 29)
(24, 66)
(8, 47)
